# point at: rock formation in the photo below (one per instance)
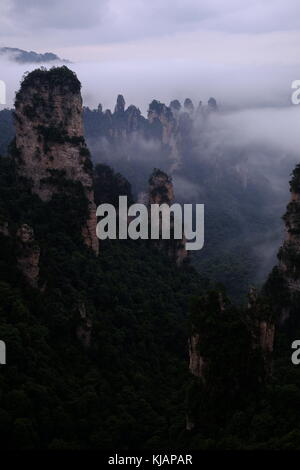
(283, 284)
(197, 362)
(261, 322)
(188, 106)
(175, 107)
(169, 130)
(212, 104)
(84, 329)
(289, 254)
(161, 192)
(49, 138)
(28, 254)
(230, 352)
(160, 188)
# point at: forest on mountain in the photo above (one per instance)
(98, 347)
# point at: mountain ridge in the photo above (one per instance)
(22, 56)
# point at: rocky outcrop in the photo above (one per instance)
(134, 120)
(159, 112)
(283, 284)
(289, 253)
(189, 106)
(212, 104)
(161, 192)
(160, 188)
(230, 355)
(120, 106)
(261, 323)
(266, 336)
(84, 329)
(118, 128)
(28, 254)
(169, 131)
(197, 363)
(49, 138)
(175, 107)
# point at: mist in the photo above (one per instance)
(140, 81)
(252, 142)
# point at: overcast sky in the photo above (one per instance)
(234, 31)
(242, 50)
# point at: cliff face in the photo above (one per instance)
(197, 362)
(228, 352)
(160, 113)
(283, 284)
(289, 254)
(112, 306)
(261, 323)
(28, 254)
(49, 138)
(161, 192)
(167, 128)
(117, 127)
(160, 188)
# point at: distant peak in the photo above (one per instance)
(175, 105)
(212, 103)
(120, 106)
(188, 105)
(22, 57)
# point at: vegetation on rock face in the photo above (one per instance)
(61, 77)
(233, 375)
(295, 181)
(156, 174)
(127, 389)
(233, 407)
(57, 135)
(108, 186)
(128, 386)
(7, 131)
(159, 183)
(156, 106)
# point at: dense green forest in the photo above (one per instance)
(127, 350)
(241, 223)
(131, 387)
(127, 388)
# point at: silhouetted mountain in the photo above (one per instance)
(23, 57)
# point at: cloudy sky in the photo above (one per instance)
(234, 31)
(230, 48)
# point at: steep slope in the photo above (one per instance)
(161, 191)
(244, 389)
(96, 345)
(7, 130)
(283, 284)
(49, 141)
(242, 231)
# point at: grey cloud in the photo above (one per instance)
(57, 14)
(107, 21)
